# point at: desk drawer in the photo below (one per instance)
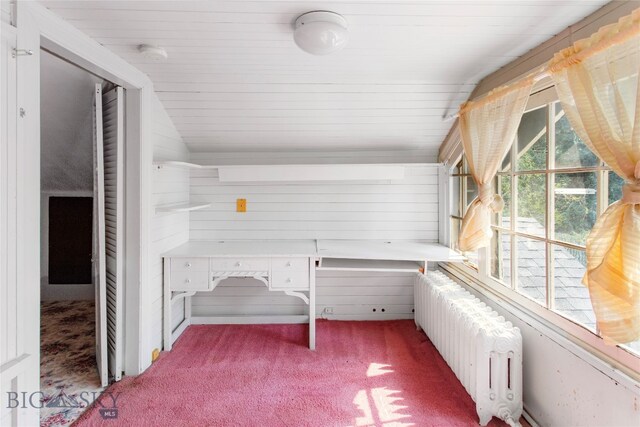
(189, 264)
(189, 280)
(239, 264)
(290, 273)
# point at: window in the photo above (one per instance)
(554, 189)
(464, 190)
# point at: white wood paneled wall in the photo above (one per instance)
(9, 341)
(376, 210)
(273, 157)
(5, 11)
(170, 185)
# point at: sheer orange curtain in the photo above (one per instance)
(597, 83)
(488, 127)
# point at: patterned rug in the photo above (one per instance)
(69, 378)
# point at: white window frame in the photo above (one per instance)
(617, 357)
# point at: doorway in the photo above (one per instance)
(31, 27)
(81, 197)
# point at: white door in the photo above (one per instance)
(19, 221)
(99, 255)
(113, 125)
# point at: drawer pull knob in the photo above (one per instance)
(288, 280)
(288, 264)
(188, 280)
(238, 264)
(188, 264)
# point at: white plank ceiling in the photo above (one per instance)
(235, 80)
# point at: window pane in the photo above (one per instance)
(502, 186)
(615, 187)
(456, 196)
(501, 257)
(472, 191)
(532, 140)
(571, 152)
(532, 270)
(575, 206)
(458, 168)
(571, 296)
(455, 232)
(532, 204)
(633, 347)
(506, 163)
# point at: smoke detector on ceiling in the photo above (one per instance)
(155, 53)
(321, 32)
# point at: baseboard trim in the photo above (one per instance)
(248, 320)
(529, 418)
(179, 330)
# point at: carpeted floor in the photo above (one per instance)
(68, 373)
(362, 374)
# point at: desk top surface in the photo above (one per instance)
(350, 249)
(401, 251)
(234, 248)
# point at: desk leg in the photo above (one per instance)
(166, 315)
(312, 304)
(187, 309)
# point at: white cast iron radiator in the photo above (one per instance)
(482, 349)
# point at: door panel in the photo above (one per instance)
(99, 252)
(19, 220)
(113, 115)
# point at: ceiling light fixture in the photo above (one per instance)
(154, 53)
(321, 32)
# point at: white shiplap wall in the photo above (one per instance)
(376, 210)
(170, 185)
(5, 12)
(9, 273)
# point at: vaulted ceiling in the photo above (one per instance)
(235, 80)
(66, 125)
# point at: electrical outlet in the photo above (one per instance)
(328, 310)
(241, 205)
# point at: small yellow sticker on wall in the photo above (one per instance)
(241, 205)
(155, 354)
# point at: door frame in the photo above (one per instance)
(40, 28)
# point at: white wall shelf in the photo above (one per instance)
(333, 172)
(176, 164)
(298, 172)
(181, 207)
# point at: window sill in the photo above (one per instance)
(617, 363)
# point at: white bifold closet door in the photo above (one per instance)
(113, 125)
(109, 232)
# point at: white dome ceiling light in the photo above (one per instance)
(153, 53)
(321, 32)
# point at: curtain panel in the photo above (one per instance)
(488, 127)
(597, 83)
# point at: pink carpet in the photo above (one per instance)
(362, 374)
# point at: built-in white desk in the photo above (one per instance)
(287, 266)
